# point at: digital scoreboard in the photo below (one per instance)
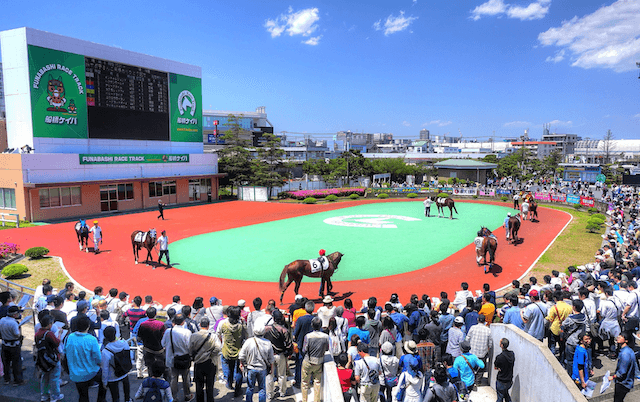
(76, 96)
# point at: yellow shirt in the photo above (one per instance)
(488, 310)
(557, 314)
(297, 314)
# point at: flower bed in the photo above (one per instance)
(7, 249)
(340, 192)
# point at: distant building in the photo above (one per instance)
(565, 143)
(424, 134)
(539, 149)
(467, 169)
(3, 112)
(255, 124)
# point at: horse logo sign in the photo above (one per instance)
(368, 221)
(186, 100)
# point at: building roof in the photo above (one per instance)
(464, 164)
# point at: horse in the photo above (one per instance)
(490, 245)
(297, 269)
(82, 233)
(448, 202)
(533, 210)
(149, 242)
(514, 226)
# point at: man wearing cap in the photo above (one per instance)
(322, 258)
(456, 336)
(466, 363)
(163, 245)
(82, 307)
(534, 316)
(97, 236)
(11, 346)
(327, 311)
(213, 312)
(506, 224)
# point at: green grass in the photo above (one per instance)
(12, 225)
(46, 267)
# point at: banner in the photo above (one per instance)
(58, 93)
(573, 199)
(489, 193)
(465, 191)
(542, 196)
(559, 197)
(112, 159)
(186, 108)
(502, 191)
(587, 201)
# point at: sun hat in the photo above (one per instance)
(241, 303)
(387, 347)
(327, 299)
(410, 347)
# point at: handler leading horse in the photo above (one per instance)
(299, 268)
(82, 233)
(141, 239)
(447, 202)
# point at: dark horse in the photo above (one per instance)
(533, 210)
(148, 243)
(490, 245)
(514, 226)
(448, 202)
(82, 232)
(297, 269)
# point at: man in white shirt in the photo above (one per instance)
(460, 302)
(175, 342)
(97, 236)
(427, 207)
(163, 244)
(327, 311)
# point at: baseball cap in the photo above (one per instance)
(51, 298)
(213, 300)
(13, 310)
(82, 304)
(241, 303)
(459, 320)
(533, 292)
(298, 297)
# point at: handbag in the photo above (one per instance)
(388, 381)
(180, 362)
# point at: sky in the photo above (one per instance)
(475, 67)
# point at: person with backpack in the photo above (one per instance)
(48, 360)
(442, 390)
(155, 388)
(367, 372)
(571, 331)
(389, 369)
(204, 348)
(116, 364)
(466, 364)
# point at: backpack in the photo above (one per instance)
(121, 362)
(46, 357)
(153, 394)
(424, 320)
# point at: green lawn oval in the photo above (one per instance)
(259, 252)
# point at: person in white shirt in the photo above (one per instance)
(97, 236)
(327, 311)
(163, 244)
(427, 207)
(175, 342)
(460, 302)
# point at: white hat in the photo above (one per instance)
(327, 299)
(509, 214)
(298, 297)
(241, 303)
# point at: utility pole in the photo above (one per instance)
(524, 138)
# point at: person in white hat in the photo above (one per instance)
(456, 337)
(327, 311)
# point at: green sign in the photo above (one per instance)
(111, 159)
(186, 108)
(58, 93)
(601, 178)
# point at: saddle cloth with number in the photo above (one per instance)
(140, 237)
(316, 266)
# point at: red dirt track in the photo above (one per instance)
(114, 266)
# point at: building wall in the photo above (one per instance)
(466, 174)
(11, 177)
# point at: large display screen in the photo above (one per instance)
(74, 96)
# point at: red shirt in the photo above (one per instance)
(350, 315)
(345, 375)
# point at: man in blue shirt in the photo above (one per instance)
(359, 330)
(401, 322)
(512, 314)
(582, 367)
(534, 315)
(84, 359)
(626, 369)
(465, 364)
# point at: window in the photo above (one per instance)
(160, 188)
(125, 191)
(168, 187)
(59, 197)
(7, 198)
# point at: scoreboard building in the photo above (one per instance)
(93, 129)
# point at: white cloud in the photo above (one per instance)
(439, 123)
(313, 41)
(637, 116)
(534, 11)
(557, 58)
(607, 38)
(518, 124)
(491, 7)
(406, 124)
(556, 123)
(302, 22)
(394, 24)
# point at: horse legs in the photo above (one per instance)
(298, 281)
(321, 293)
(135, 253)
(329, 286)
(450, 213)
(289, 281)
(149, 256)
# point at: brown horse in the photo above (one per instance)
(297, 269)
(82, 233)
(533, 211)
(148, 243)
(514, 227)
(489, 245)
(448, 202)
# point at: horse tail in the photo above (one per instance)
(283, 275)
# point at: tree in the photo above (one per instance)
(235, 157)
(269, 169)
(608, 146)
(490, 159)
(552, 162)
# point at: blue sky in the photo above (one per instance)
(398, 66)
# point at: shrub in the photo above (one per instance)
(599, 216)
(504, 198)
(36, 252)
(309, 200)
(8, 248)
(592, 210)
(597, 219)
(443, 195)
(577, 206)
(13, 270)
(383, 196)
(331, 198)
(474, 196)
(593, 227)
(412, 195)
(340, 192)
(354, 196)
(224, 192)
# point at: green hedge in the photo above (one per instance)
(13, 270)
(577, 206)
(592, 210)
(36, 252)
(383, 196)
(412, 195)
(331, 198)
(309, 200)
(504, 198)
(354, 196)
(443, 195)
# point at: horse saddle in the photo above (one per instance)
(317, 266)
(79, 227)
(140, 237)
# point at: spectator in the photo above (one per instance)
(480, 339)
(582, 366)
(175, 342)
(504, 365)
(11, 346)
(573, 327)
(151, 333)
(50, 380)
(456, 336)
(156, 382)
(257, 356)
(389, 370)
(205, 349)
(254, 315)
(282, 344)
(109, 377)
(442, 390)
(327, 311)
(315, 345)
(84, 360)
(347, 379)
(233, 333)
(302, 328)
(367, 374)
(626, 369)
(466, 363)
